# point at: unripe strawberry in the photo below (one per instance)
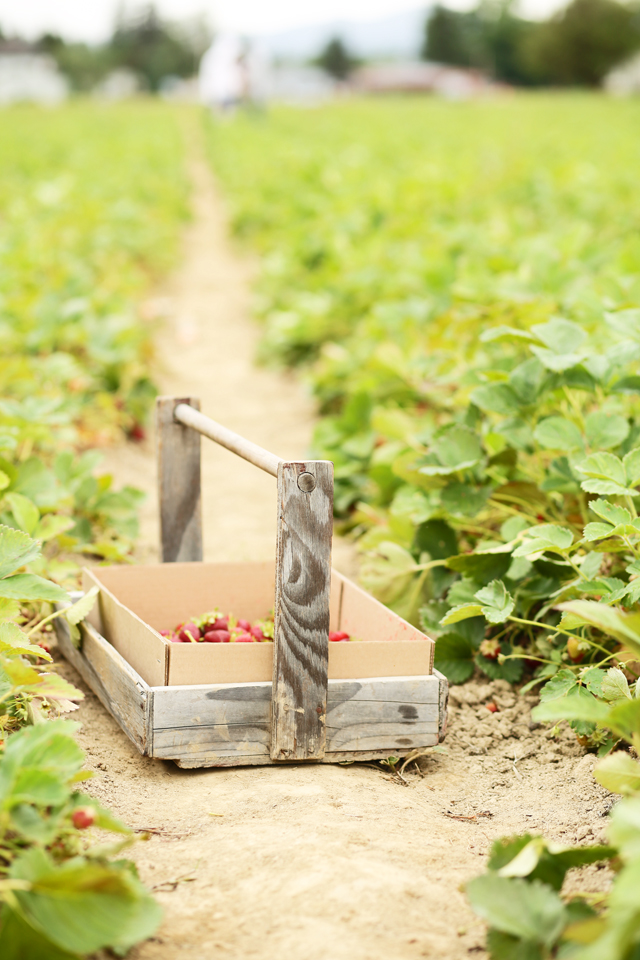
(490, 649)
(83, 817)
(574, 651)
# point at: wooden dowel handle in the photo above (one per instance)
(256, 455)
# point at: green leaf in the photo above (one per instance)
(16, 550)
(632, 467)
(560, 335)
(454, 657)
(497, 398)
(557, 433)
(605, 430)
(37, 786)
(456, 449)
(531, 911)
(597, 531)
(606, 474)
(27, 586)
(579, 705)
(52, 525)
(615, 686)
(15, 642)
(20, 941)
(388, 572)
(624, 719)
(481, 567)
(610, 512)
(496, 602)
(462, 612)
(558, 686)
(618, 773)
(549, 862)
(84, 905)
(25, 512)
(79, 610)
(547, 536)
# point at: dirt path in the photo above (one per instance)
(310, 862)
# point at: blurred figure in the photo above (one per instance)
(222, 76)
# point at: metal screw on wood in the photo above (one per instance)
(306, 482)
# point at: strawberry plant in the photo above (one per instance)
(520, 896)
(467, 309)
(60, 896)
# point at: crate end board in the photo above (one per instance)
(229, 724)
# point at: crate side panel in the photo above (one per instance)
(116, 684)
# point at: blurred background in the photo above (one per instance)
(283, 51)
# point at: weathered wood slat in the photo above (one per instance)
(116, 684)
(303, 580)
(388, 714)
(178, 483)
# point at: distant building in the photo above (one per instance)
(453, 83)
(301, 85)
(119, 84)
(624, 80)
(28, 74)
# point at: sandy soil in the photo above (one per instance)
(311, 862)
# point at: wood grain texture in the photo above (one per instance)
(116, 684)
(443, 694)
(392, 715)
(303, 580)
(179, 496)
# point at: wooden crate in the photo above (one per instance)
(301, 715)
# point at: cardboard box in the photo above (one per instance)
(136, 602)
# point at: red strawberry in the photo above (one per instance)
(257, 633)
(83, 817)
(244, 625)
(337, 635)
(492, 707)
(217, 636)
(189, 633)
(244, 638)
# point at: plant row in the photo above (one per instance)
(90, 204)
(461, 284)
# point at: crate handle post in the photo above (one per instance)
(303, 567)
(179, 497)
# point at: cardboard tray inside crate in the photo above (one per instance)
(136, 602)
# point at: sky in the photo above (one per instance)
(92, 20)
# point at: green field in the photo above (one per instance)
(461, 284)
(91, 202)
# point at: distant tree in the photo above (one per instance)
(85, 66)
(152, 49)
(583, 42)
(336, 59)
(446, 38)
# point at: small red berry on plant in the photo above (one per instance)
(83, 817)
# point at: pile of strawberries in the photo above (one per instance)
(215, 628)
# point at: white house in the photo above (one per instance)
(28, 74)
(624, 80)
